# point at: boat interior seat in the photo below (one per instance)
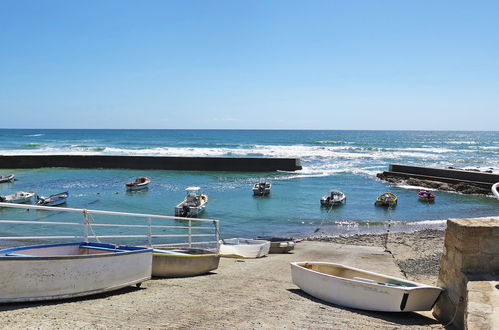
(90, 247)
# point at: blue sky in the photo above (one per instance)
(250, 64)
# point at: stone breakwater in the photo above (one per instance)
(448, 179)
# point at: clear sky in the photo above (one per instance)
(250, 64)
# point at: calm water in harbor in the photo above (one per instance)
(343, 160)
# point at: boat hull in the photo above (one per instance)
(363, 295)
(244, 248)
(60, 277)
(184, 265)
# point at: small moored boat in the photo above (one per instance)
(68, 270)
(262, 188)
(6, 178)
(18, 197)
(193, 204)
(183, 262)
(356, 288)
(386, 199)
(244, 248)
(52, 200)
(141, 182)
(426, 195)
(333, 198)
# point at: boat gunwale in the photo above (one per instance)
(398, 288)
(136, 250)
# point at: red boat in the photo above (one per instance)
(139, 183)
(426, 195)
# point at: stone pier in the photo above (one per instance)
(469, 273)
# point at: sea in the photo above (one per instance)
(332, 159)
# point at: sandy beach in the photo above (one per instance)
(248, 293)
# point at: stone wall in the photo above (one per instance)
(471, 249)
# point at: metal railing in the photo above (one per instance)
(88, 224)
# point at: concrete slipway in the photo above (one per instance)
(242, 294)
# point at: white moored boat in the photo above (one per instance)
(193, 204)
(244, 247)
(18, 197)
(333, 198)
(141, 182)
(6, 178)
(57, 271)
(262, 188)
(183, 262)
(356, 288)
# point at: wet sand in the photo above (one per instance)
(248, 293)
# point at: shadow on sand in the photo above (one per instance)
(402, 318)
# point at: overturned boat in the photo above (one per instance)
(58, 271)
(183, 262)
(356, 288)
(279, 244)
(244, 248)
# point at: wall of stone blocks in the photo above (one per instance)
(471, 248)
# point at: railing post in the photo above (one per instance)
(149, 232)
(190, 233)
(217, 234)
(85, 225)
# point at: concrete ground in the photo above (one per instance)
(241, 293)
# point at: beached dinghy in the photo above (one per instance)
(52, 200)
(18, 197)
(333, 198)
(183, 262)
(262, 188)
(193, 204)
(386, 199)
(244, 248)
(279, 244)
(139, 183)
(356, 288)
(426, 195)
(58, 271)
(6, 178)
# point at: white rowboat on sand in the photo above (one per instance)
(356, 288)
(244, 248)
(58, 271)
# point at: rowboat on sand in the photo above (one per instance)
(244, 248)
(279, 244)
(52, 200)
(356, 288)
(386, 199)
(6, 178)
(139, 183)
(183, 262)
(18, 197)
(59, 271)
